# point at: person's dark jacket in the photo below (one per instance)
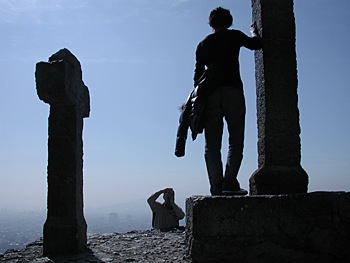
(192, 111)
(182, 130)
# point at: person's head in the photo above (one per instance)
(169, 195)
(220, 18)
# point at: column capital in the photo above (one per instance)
(59, 82)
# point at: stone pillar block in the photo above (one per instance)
(59, 83)
(313, 227)
(279, 170)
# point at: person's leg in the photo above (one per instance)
(213, 136)
(234, 111)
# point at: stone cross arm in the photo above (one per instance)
(59, 82)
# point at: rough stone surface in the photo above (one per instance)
(297, 228)
(59, 83)
(279, 170)
(136, 246)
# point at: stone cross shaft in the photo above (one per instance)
(59, 83)
(279, 170)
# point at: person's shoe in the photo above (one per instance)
(237, 192)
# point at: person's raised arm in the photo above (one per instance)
(152, 199)
(254, 31)
(254, 42)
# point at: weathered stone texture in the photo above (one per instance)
(298, 228)
(279, 170)
(146, 246)
(59, 83)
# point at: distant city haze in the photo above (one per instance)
(19, 228)
(137, 59)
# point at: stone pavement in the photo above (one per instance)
(135, 246)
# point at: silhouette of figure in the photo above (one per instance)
(226, 100)
(165, 216)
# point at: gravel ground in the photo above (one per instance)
(135, 246)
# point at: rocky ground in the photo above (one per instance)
(136, 246)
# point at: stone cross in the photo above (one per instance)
(59, 83)
(279, 170)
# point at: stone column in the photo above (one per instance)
(279, 170)
(59, 83)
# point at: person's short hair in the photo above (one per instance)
(220, 18)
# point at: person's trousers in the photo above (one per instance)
(224, 103)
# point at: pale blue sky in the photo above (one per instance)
(137, 59)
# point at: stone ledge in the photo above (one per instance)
(312, 227)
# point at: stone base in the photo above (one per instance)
(278, 180)
(63, 236)
(313, 227)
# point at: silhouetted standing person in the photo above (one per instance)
(221, 50)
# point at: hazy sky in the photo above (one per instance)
(137, 58)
